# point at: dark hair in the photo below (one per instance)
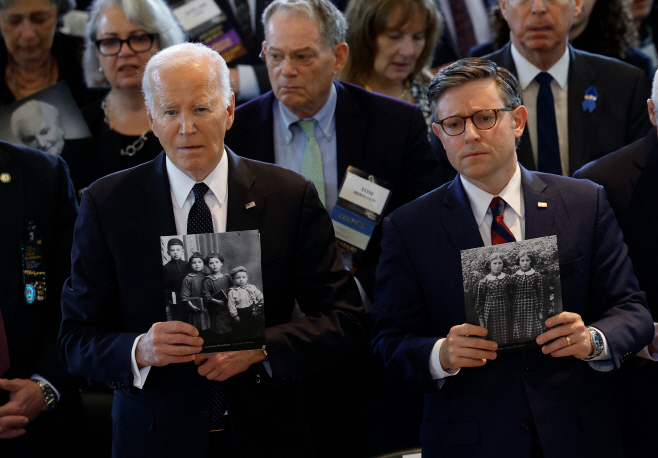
(174, 242)
(367, 19)
(195, 255)
(527, 253)
(475, 69)
(63, 6)
(214, 255)
(610, 30)
(237, 270)
(493, 256)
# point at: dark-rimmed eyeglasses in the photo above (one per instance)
(138, 43)
(483, 120)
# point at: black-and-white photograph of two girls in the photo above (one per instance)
(214, 282)
(511, 289)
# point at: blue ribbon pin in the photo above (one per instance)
(589, 104)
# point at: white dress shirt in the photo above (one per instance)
(526, 73)
(514, 218)
(182, 199)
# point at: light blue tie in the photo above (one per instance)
(312, 162)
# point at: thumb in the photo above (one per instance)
(9, 385)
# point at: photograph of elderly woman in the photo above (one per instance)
(512, 289)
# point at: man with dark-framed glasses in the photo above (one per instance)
(550, 400)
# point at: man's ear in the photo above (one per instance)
(652, 111)
(341, 51)
(520, 116)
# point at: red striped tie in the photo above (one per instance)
(500, 233)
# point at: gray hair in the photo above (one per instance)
(153, 16)
(330, 20)
(29, 111)
(63, 6)
(185, 55)
(474, 69)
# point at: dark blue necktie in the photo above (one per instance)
(548, 151)
(199, 221)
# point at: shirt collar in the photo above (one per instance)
(480, 200)
(527, 72)
(325, 116)
(181, 184)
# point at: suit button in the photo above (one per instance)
(527, 372)
(525, 426)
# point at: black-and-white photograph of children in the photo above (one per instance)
(214, 283)
(511, 289)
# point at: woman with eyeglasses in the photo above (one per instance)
(33, 55)
(121, 37)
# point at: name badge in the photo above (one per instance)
(362, 199)
(34, 275)
(204, 21)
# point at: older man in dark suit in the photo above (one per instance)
(581, 106)
(113, 328)
(40, 409)
(548, 401)
(630, 178)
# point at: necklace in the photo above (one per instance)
(402, 95)
(135, 146)
(23, 85)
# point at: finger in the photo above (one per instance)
(562, 318)
(177, 339)
(9, 409)
(11, 433)
(555, 333)
(13, 421)
(474, 353)
(468, 330)
(175, 327)
(200, 358)
(9, 385)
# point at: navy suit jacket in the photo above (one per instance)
(382, 136)
(115, 294)
(39, 194)
(487, 411)
(620, 116)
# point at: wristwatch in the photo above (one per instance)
(48, 393)
(597, 343)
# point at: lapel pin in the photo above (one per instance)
(5, 178)
(589, 104)
(250, 205)
(542, 204)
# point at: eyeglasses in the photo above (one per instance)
(297, 59)
(138, 43)
(483, 120)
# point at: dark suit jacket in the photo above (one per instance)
(630, 177)
(620, 116)
(108, 302)
(487, 411)
(377, 134)
(40, 193)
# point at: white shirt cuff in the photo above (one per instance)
(435, 364)
(38, 377)
(249, 88)
(644, 353)
(139, 375)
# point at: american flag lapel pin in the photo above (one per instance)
(250, 205)
(542, 204)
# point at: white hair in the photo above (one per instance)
(185, 55)
(654, 91)
(32, 110)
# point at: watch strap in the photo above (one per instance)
(48, 393)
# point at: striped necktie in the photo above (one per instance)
(500, 233)
(312, 162)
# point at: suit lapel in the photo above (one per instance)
(261, 127)
(350, 131)
(582, 124)
(244, 205)
(458, 219)
(11, 234)
(156, 211)
(539, 218)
